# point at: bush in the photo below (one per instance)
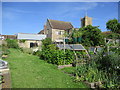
(22, 41)
(12, 43)
(107, 62)
(104, 68)
(5, 50)
(46, 42)
(55, 56)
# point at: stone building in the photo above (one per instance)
(27, 40)
(55, 29)
(86, 21)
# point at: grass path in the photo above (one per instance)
(28, 71)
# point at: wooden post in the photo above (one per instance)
(64, 48)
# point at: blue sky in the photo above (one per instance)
(29, 17)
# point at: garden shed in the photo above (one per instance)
(28, 40)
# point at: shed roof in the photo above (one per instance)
(55, 24)
(28, 36)
(71, 46)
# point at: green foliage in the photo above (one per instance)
(69, 70)
(51, 54)
(115, 50)
(113, 25)
(46, 42)
(5, 50)
(108, 62)
(103, 67)
(12, 43)
(36, 73)
(77, 33)
(56, 56)
(112, 35)
(110, 65)
(27, 50)
(22, 41)
(76, 36)
(92, 36)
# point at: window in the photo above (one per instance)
(60, 33)
(33, 45)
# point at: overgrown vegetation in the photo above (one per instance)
(52, 55)
(88, 36)
(103, 68)
(22, 41)
(4, 49)
(113, 25)
(12, 43)
(92, 36)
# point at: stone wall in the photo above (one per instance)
(26, 44)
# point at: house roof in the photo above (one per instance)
(55, 24)
(10, 36)
(71, 46)
(28, 36)
(41, 32)
(106, 32)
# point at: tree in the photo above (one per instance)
(92, 36)
(113, 25)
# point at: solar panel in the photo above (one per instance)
(61, 46)
(71, 46)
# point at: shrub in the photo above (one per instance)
(22, 41)
(69, 57)
(55, 56)
(46, 42)
(104, 68)
(108, 62)
(12, 43)
(5, 50)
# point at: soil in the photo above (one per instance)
(6, 80)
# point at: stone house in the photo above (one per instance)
(55, 29)
(27, 40)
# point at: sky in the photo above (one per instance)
(30, 17)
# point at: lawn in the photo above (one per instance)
(28, 71)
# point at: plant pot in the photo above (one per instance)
(74, 40)
(79, 39)
(66, 40)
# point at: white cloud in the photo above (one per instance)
(60, 0)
